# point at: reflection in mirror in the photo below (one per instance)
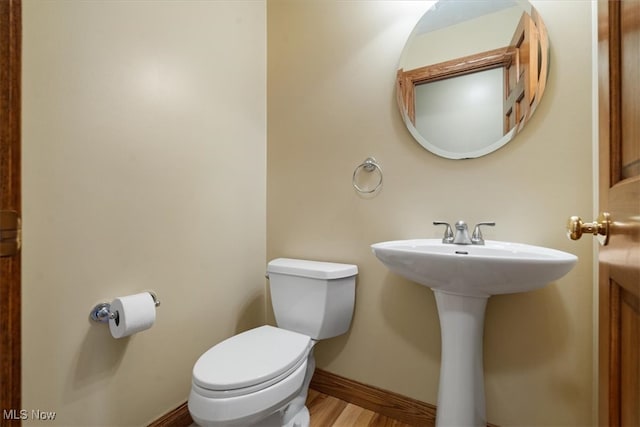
(471, 75)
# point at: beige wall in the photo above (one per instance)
(331, 103)
(144, 168)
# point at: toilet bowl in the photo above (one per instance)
(261, 376)
(249, 376)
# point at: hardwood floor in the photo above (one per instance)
(328, 411)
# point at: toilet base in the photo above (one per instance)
(301, 419)
(296, 413)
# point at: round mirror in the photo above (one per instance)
(472, 74)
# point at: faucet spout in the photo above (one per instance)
(462, 234)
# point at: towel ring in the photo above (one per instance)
(369, 165)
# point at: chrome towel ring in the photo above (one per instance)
(369, 165)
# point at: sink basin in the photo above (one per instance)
(463, 277)
(474, 270)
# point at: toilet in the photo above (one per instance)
(261, 377)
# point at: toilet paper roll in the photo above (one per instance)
(135, 313)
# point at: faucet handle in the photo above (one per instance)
(448, 232)
(476, 237)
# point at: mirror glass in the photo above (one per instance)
(472, 74)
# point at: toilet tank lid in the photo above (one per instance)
(311, 269)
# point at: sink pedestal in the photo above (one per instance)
(461, 390)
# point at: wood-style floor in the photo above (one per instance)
(328, 411)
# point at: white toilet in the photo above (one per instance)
(261, 376)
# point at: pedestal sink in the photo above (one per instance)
(463, 277)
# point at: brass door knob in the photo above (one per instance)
(600, 228)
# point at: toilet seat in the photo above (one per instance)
(249, 362)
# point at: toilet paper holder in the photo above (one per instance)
(102, 312)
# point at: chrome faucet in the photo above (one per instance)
(461, 236)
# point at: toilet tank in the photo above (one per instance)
(312, 297)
